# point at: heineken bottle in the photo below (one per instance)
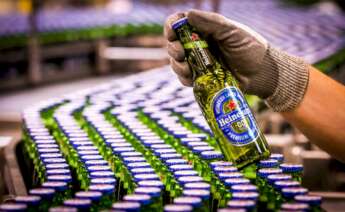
(221, 101)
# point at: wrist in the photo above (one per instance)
(291, 81)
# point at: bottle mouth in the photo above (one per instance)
(177, 24)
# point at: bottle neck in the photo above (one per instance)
(198, 55)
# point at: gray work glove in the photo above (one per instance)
(262, 70)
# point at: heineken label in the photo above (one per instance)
(234, 117)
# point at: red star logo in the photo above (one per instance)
(195, 37)
(231, 105)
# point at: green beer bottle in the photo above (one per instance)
(221, 101)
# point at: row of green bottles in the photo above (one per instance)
(220, 194)
(68, 151)
(171, 186)
(125, 183)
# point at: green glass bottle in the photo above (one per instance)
(221, 101)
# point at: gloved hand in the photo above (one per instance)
(261, 70)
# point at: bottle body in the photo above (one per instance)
(221, 101)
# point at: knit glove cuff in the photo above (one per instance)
(292, 79)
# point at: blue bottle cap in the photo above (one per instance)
(131, 154)
(244, 188)
(108, 180)
(180, 133)
(101, 174)
(185, 141)
(193, 201)
(51, 155)
(81, 204)
(36, 129)
(63, 209)
(96, 162)
(278, 177)
(278, 157)
(43, 137)
(199, 149)
(247, 204)
(211, 155)
(177, 208)
(142, 171)
(189, 179)
(151, 183)
(45, 146)
(181, 173)
(28, 200)
(83, 148)
(57, 185)
(54, 160)
(123, 144)
(145, 138)
(264, 172)
(13, 207)
(203, 194)
(196, 143)
(44, 193)
(76, 139)
(58, 172)
(160, 146)
(118, 140)
(245, 195)
(179, 167)
(197, 135)
(78, 134)
(76, 144)
(98, 168)
(138, 165)
(176, 161)
(224, 169)
(150, 142)
(143, 199)
(235, 181)
(126, 206)
(221, 164)
(61, 178)
(92, 195)
(291, 168)
(112, 136)
(104, 188)
(140, 177)
(293, 191)
(91, 157)
(168, 156)
(127, 160)
(118, 150)
(88, 152)
(286, 184)
(57, 166)
(232, 210)
(152, 191)
(226, 175)
(270, 163)
(311, 200)
(164, 151)
(198, 185)
(38, 142)
(294, 206)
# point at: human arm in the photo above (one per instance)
(321, 114)
(287, 83)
